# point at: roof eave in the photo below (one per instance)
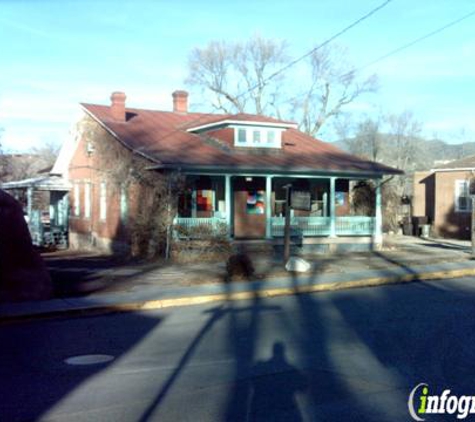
(454, 169)
(276, 170)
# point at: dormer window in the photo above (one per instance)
(248, 133)
(257, 137)
(270, 136)
(241, 136)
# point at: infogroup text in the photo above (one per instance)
(420, 403)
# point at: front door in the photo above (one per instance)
(249, 207)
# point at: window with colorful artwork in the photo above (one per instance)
(255, 202)
(204, 200)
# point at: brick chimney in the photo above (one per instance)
(118, 106)
(180, 102)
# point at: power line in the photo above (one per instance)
(299, 59)
(396, 50)
(416, 41)
(315, 49)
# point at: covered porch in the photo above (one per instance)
(250, 207)
(46, 208)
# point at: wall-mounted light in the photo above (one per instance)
(248, 179)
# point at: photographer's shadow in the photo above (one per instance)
(275, 383)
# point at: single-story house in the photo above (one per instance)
(235, 167)
(442, 196)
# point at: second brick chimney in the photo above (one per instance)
(180, 102)
(118, 106)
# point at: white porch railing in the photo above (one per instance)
(354, 226)
(305, 226)
(320, 226)
(195, 228)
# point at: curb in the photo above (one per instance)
(96, 309)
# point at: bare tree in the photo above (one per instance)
(404, 130)
(332, 86)
(18, 166)
(367, 142)
(3, 161)
(46, 155)
(237, 74)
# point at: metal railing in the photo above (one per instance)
(321, 226)
(304, 226)
(354, 226)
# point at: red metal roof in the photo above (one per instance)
(162, 137)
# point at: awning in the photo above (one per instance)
(48, 183)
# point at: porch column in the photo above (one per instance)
(29, 202)
(193, 202)
(378, 218)
(332, 207)
(227, 200)
(268, 207)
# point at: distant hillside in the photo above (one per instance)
(427, 152)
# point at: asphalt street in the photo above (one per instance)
(351, 355)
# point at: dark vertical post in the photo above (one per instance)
(473, 226)
(471, 192)
(287, 224)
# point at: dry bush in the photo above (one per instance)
(239, 265)
(364, 198)
(202, 250)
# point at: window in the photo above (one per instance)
(123, 203)
(242, 136)
(103, 201)
(271, 137)
(76, 200)
(87, 200)
(463, 202)
(257, 137)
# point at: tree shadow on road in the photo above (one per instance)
(274, 385)
(34, 375)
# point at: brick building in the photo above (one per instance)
(442, 195)
(234, 169)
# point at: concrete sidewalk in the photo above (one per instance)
(158, 296)
(78, 275)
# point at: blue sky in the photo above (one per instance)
(55, 54)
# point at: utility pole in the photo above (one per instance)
(471, 191)
(287, 223)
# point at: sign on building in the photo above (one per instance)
(300, 200)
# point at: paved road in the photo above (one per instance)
(344, 356)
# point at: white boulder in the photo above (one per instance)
(298, 265)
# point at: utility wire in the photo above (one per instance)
(294, 62)
(315, 49)
(411, 43)
(396, 50)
